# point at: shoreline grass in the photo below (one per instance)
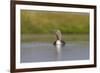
(43, 22)
(52, 38)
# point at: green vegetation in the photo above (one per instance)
(36, 26)
(52, 38)
(43, 22)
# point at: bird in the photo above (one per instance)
(59, 40)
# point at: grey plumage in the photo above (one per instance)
(59, 37)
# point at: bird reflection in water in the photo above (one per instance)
(59, 43)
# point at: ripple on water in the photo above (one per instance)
(43, 52)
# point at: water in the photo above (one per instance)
(46, 52)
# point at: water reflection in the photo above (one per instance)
(58, 51)
(44, 52)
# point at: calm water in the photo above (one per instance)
(44, 52)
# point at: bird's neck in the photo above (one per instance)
(58, 37)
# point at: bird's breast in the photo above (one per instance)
(58, 42)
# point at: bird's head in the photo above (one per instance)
(58, 34)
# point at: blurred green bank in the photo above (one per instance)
(37, 25)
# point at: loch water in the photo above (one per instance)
(47, 52)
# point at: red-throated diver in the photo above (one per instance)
(59, 40)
